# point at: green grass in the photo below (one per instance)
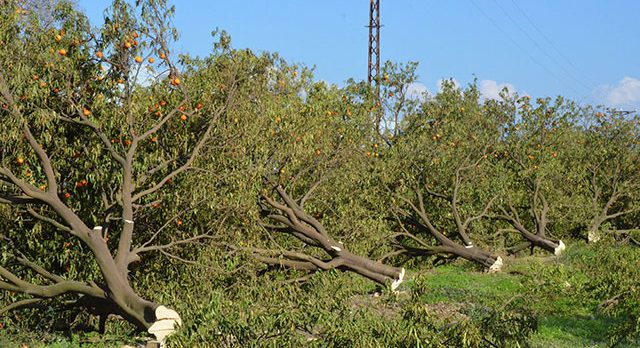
(563, 321)
(569, 332)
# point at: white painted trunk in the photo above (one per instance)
(167, 322)
(593, 236)
(398, 281)
(497, 265)
(558, 250)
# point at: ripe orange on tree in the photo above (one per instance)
(151, 60)
(86, 112)
(62, 52)
(99, 54)
(138, 59)
(20, 160)
(183, 117)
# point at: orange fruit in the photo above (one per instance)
(183, 117)
(176, 81)
(163, 56)
(67, 195)
(86, 112)
(20, 160)
(99, 54)
(151, 60)
(138, 59)
(58, 38)
(62, 52)
(127, 45)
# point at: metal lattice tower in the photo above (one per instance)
(374, 40)
(374, 50)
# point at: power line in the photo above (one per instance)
(531, 57)
(546, 38)
(535, 42)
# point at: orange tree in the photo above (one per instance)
(96, 127)
(537, 148)
(608, 160)
(438, 173)
(293, 145)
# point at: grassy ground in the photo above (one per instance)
(336, 309)
(561, 323)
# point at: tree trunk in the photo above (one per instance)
(546, 244)
(373, 270)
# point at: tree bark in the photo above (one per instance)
(292, 219)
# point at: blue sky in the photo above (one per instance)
(585, 50)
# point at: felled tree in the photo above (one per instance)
(439, 168)
(305, 137)
(609, 160)
(95, 127)
(290, 218)
(531, 164)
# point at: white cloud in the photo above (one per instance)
(417, 90)
(626, 94)
(491, 89)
